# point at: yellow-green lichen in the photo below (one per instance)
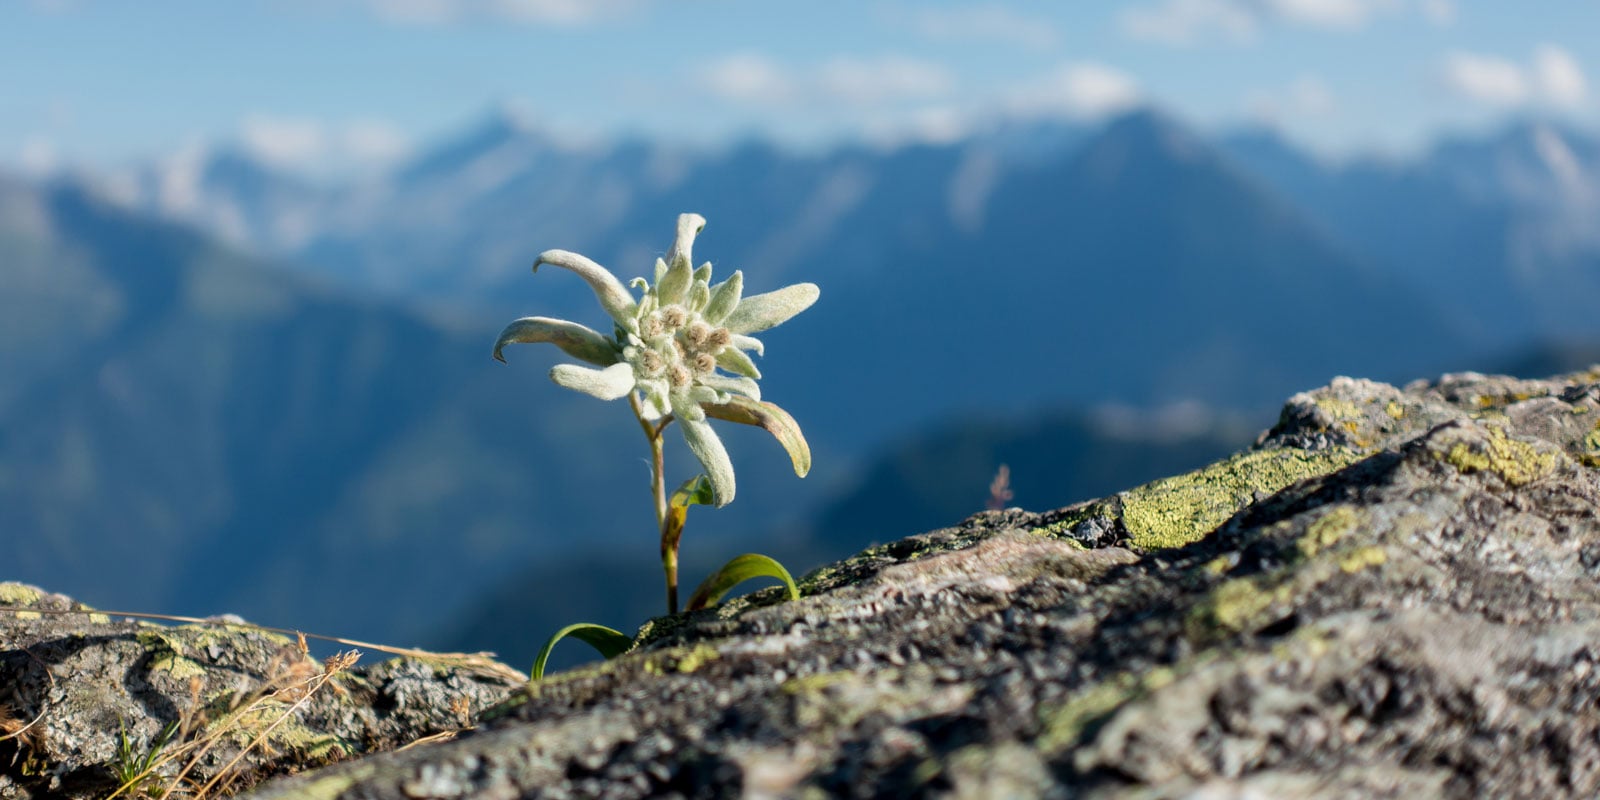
(167, 655)
(1238, 605)
(842, 698)
(1339, 409)
(1173, 512)
(679, 659)
(1065, 723)
(1328, 529)
(1518, 463)
(1074, 517)
(16, 594)
(1395, 410)
(807, 684)
(1363, 557)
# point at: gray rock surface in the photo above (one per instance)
(1395, 593)
(81, 692)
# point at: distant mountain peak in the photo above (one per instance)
(507, 131)
(1140, 139)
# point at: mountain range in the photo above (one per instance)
(228, 388)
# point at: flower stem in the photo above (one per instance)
(658, 480)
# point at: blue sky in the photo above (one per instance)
(324, 82)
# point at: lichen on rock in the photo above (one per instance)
(1395, 592)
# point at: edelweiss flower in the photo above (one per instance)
(682, 346)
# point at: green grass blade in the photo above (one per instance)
(610, 643)
(735, 572)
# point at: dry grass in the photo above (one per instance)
(166, 767)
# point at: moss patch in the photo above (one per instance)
(1173, 512)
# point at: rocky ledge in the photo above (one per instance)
(1394, 593)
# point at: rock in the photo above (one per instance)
(83, 697)
(1395, 593)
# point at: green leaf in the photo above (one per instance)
(610, 643)
(735, 572)
(694, 492)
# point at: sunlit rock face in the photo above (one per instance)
(1393, 593)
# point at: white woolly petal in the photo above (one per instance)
(607, 384)
(723, 383)
(613, 296)
(724, 298)
(707, 447)
(763, 311)
(748, 343)
(689, 226)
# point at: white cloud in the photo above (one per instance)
(553, 12)
(936, 124)
(1558, 76)
(1078, 90)
(1188, 22)
(1439, 12)
(1552, 78)
(1488, 79)
(38, 156)
(990, 23)
(748, 78)
(1346, 14)
(1185, 22)
(283, 141)
(756, 79)
(865, 82)
(373, 141)
(301, 143)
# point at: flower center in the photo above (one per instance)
(678, 345)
